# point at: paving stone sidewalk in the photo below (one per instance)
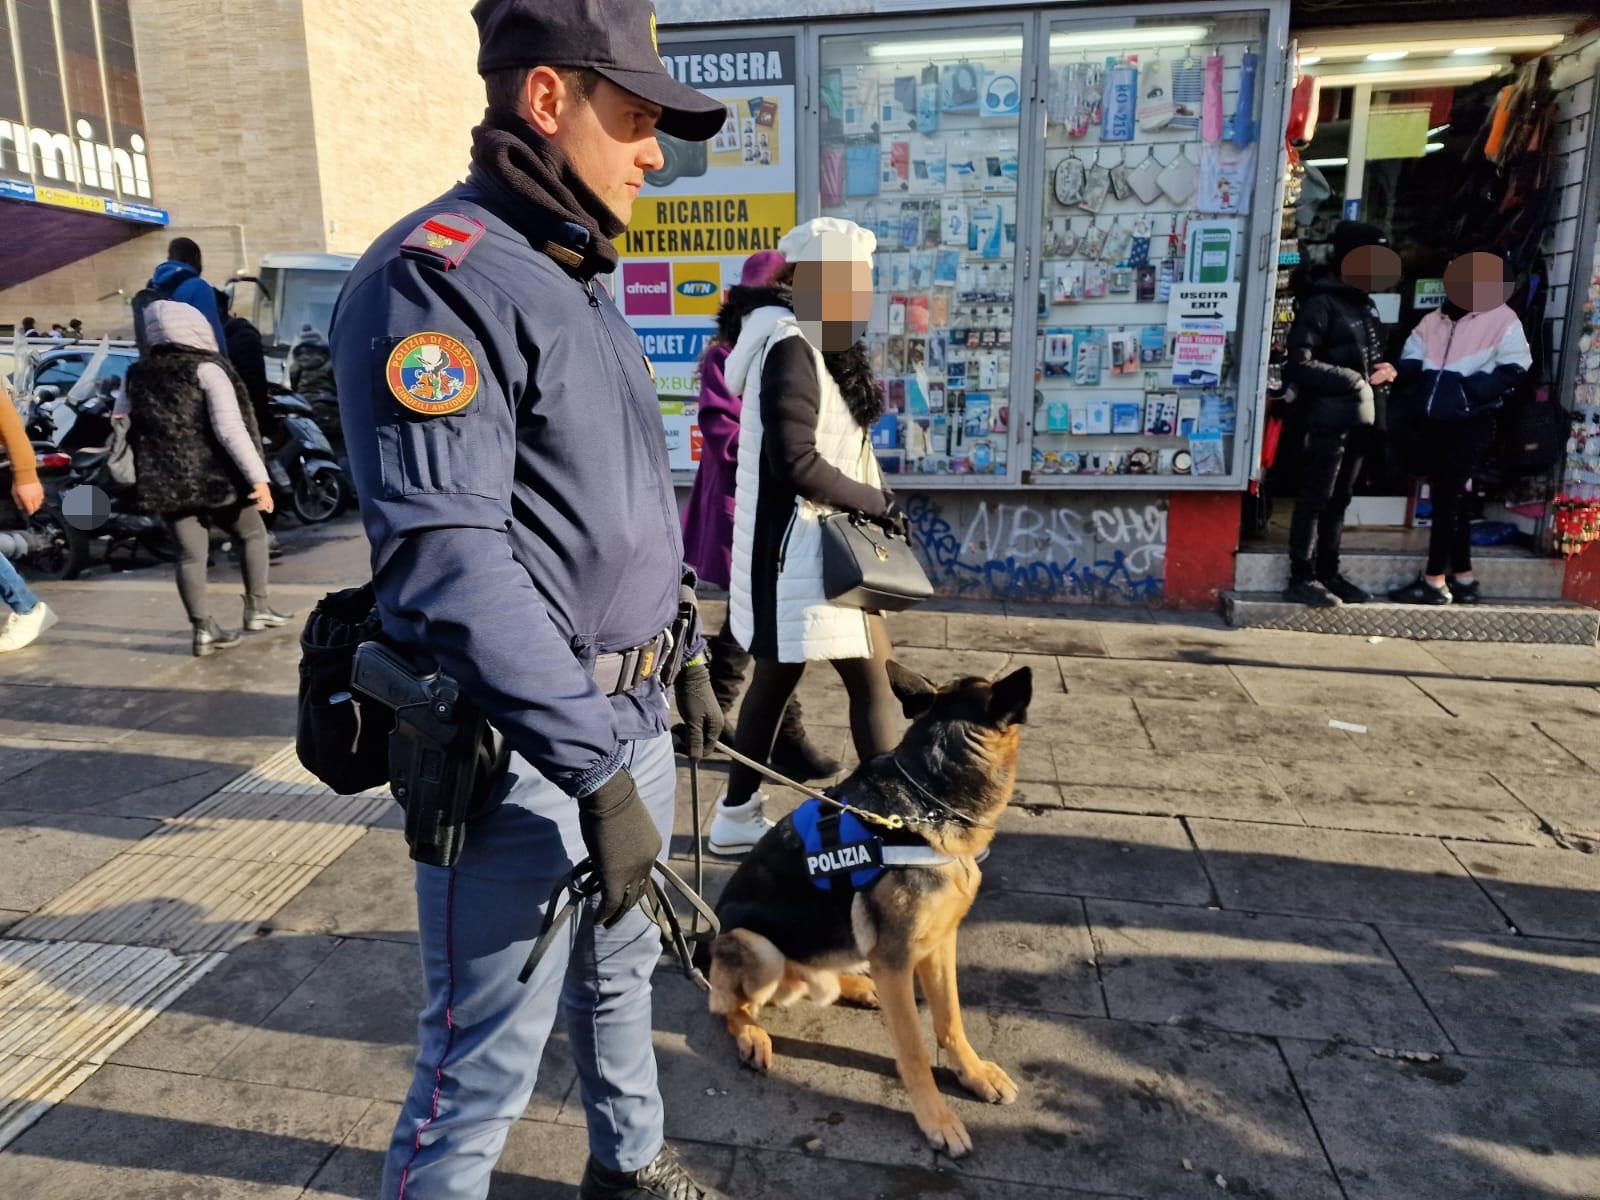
(1224, 946)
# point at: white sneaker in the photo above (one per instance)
(735, 830)
(24, 628)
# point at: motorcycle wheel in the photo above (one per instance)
(68, 552)
(319, 494)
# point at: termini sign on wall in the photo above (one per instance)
(72, 130)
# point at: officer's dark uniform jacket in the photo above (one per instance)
(518, 538)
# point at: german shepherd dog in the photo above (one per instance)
(784, 938)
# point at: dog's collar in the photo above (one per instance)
(966, 818)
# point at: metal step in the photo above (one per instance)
(1552, 623)
(1513, 576)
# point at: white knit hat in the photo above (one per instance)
(828, 237)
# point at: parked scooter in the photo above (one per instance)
(94, 505)
(46, 541)
(307, 479)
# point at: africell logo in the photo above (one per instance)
(647, 289)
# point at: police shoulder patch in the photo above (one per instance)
(432, 373)
(444, 239)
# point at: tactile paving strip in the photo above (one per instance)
(66, 1007)
(285, 828)
(1552, 624)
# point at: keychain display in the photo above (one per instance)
(1070, 177)
(1096, 187)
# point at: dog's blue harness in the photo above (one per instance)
(838, 846)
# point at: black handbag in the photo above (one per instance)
(866, 566)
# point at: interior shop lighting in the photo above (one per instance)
(1439, 129)
(1432, 147)
(1166, 35)
(1472, 43)
(1327, 162)
(1310, 60)
(1387, 55)
(1417, 77)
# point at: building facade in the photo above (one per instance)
(270, 126)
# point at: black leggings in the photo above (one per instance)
(1453, 449)
(876, 723)
(1327, 481)
(194, 542)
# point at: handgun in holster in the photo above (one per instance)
(443, 755)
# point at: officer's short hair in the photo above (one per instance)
(506, 86)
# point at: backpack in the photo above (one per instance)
(143, 299)
(340, 737)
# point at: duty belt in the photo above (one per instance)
(624, 671)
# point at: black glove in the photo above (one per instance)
(896, 522)
(622, 843)
(700, 710)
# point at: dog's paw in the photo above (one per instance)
(989, 1082)
(858, 991)
(755, 1048)
(944, 1131)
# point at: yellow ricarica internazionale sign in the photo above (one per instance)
(707, 226)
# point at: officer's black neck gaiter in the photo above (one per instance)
(535, 171)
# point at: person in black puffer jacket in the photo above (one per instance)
(1335, 366)
(198, 456)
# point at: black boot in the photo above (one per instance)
(209, 637)
(665, 1178)
(794, 754)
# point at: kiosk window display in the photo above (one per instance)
(920, 143)
(1150, 170)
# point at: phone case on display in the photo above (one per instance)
(1145, 283)
(861, 171)
(928, 107)
(1093, 242)
(1070, 177)
(1211, 104)
(1121, 281)
(1121, 186)
(1241, 128)
(1118, 242)
(953, 230)
(832, 183)
(1143, 179)
(1155, 97)
(1139, 251)
(1178, 179)
(1096, 187)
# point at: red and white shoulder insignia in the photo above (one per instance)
(444, 238)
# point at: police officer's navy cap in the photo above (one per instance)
(616, 38)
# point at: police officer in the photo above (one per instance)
(508, 450)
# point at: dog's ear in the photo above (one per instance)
(915, 692)
(1009, 698)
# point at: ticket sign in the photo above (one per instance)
(1203, 303)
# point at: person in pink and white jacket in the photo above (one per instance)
(1457, 368)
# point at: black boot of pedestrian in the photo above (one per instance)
(1420, 591)
(1348, 593)
(665, 1178)
(209, 637)
(796, 755)
(1310, 593)
(1463, 593)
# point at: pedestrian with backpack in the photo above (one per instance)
(179, 279)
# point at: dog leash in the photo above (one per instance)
(871, 818)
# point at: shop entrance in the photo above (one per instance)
(1399, 144)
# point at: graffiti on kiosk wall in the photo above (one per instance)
(1073, 548)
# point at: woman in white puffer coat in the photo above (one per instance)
(804, 452)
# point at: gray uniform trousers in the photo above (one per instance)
(482, 1033)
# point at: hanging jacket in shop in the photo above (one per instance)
(1334, 343)
(1457, 364)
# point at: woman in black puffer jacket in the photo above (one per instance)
(1335, 367)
